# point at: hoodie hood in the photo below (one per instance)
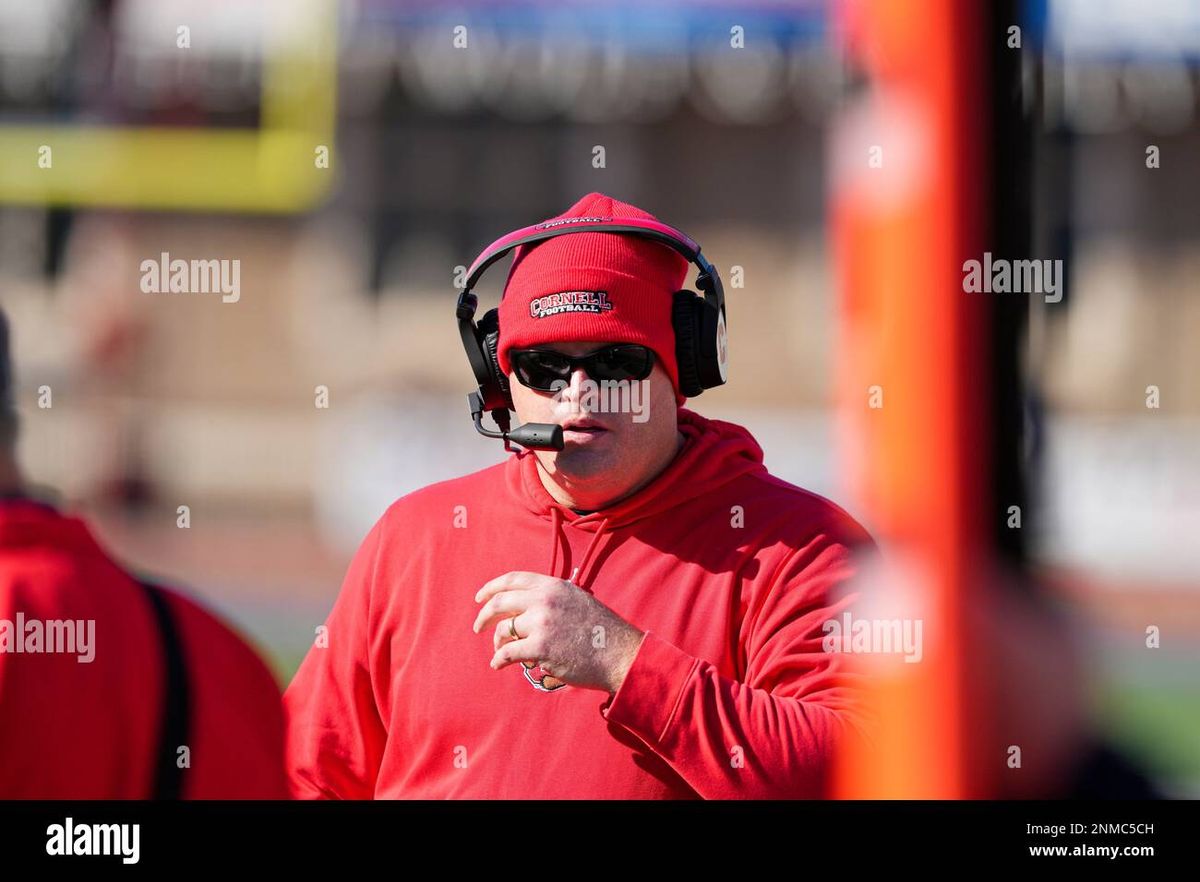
(714, 452)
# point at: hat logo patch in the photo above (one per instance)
(570, 301)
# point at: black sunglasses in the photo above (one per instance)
(541, 369)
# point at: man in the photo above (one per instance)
(110, 688)
(636, 615)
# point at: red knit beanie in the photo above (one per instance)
(609, 287)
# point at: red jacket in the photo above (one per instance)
(729, 571)
(72, 728)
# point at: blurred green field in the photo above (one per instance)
(1160, 726)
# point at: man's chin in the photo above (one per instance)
(578, 464)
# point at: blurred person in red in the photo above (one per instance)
(639, 614)
(110, 687)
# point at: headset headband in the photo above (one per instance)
(708, 281)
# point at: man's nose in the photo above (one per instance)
(574, 390)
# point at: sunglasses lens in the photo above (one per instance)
(540, 370)
(625, 362)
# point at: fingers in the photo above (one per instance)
(524, 650)
(505, 604)
(503, 632)
(507, 598)
(517, 579)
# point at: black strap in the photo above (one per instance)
(173, 732)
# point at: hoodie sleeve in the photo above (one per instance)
(335, 736)
(773, 735)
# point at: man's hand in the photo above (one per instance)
(572, 635)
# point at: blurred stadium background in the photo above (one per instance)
(347, 275)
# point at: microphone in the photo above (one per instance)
(538, 436)
(531, 436)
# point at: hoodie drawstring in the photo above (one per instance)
(587, 554)
(555, 517)
(552, 567)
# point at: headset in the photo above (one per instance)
(701, 346)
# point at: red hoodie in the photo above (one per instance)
(728, 570)
(86, 724)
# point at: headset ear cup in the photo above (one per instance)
(712, 355)
(489, 341)
(685, 319)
